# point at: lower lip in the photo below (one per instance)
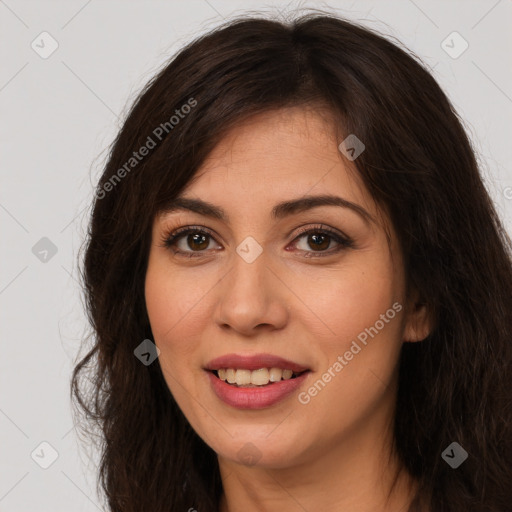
(255, 398)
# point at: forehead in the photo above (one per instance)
(280, 154)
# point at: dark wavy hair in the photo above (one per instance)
(418, 165)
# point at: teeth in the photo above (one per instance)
(248, 378)
(243, 377)
(259, 377)
(275, 374)
(231, 375)
(287, 374)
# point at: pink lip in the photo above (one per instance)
(258, 397)
(253, 362)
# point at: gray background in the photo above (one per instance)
(59, 114)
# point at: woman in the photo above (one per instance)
(299, 288)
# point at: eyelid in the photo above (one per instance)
(172, 235)
(343, 241)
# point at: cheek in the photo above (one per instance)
(362, 315)
(173, 305)
(351, 299)
(361, 302)
(174, 300)
(173, 308)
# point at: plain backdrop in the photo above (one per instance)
(60, 112)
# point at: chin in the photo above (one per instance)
(259, 451)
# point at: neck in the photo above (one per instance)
(268, 490)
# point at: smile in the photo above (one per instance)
(255, 378)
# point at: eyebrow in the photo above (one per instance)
(279, 211)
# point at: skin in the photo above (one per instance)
(333, 453)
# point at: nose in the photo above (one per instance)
(251, 298)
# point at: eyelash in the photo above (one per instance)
(170, 239)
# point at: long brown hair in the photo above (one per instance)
(418, 164)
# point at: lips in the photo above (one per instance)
(234, 370)
(254, 362)
(259, 397)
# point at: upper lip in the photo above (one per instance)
(254, 362)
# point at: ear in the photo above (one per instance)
(418, 320)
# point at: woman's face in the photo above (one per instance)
(254, 285)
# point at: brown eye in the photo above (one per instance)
(319, 242)
(188, 241)
(319, 239)
(197, 241)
